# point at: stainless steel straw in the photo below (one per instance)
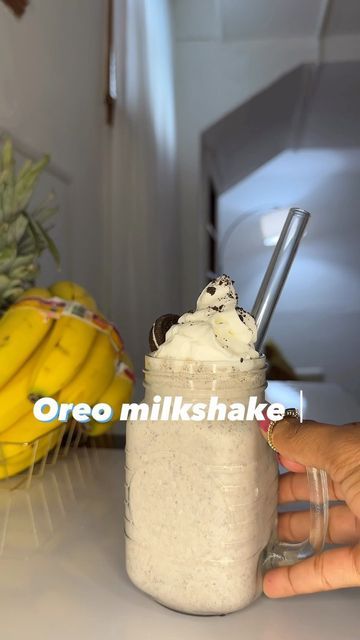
(278, 269)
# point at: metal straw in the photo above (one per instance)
(278, 269)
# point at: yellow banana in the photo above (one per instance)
(17, 447)
(14, 401)
(119, 391)
(72, 291)
(21, 331)
(94, 376)
(62, 356)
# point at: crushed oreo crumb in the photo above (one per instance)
(211, 290)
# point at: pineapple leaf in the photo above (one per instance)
(25, 184)
(12, 294)
(25, 169)
(51, 246)
(5, 176)
(43, 214)
(25, 260)
(34, 233)
(7, 258)
(17, 228)
(42, 239)
(4, 282)
(23, 235)
(8, 156)
(7, 201)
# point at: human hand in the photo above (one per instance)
(337, 451)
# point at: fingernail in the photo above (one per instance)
(264, 424)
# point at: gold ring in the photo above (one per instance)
(289, 413)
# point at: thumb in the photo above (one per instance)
(315, 444)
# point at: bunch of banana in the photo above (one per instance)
(67, 358)
(23, 331)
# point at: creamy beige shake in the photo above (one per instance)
(201, 496)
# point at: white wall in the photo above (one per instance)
(213, 77)
(142, 238)
(51, 99)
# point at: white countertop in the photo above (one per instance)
(62, 572)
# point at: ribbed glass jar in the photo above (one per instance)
(201, 497)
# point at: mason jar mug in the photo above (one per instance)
(201, 495)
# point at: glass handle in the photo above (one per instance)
(284, 553)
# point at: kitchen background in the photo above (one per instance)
(224, 113)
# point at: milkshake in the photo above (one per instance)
(201, 497)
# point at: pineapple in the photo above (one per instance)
(23, 235)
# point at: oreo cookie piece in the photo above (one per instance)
(160, 327)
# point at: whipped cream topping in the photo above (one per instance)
(217, 330)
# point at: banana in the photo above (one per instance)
(17, 447)
(14, 401)
(95, 374)
(61, 357)
(119, 391)
(21, 331)
(72, 291)
(64, 351)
